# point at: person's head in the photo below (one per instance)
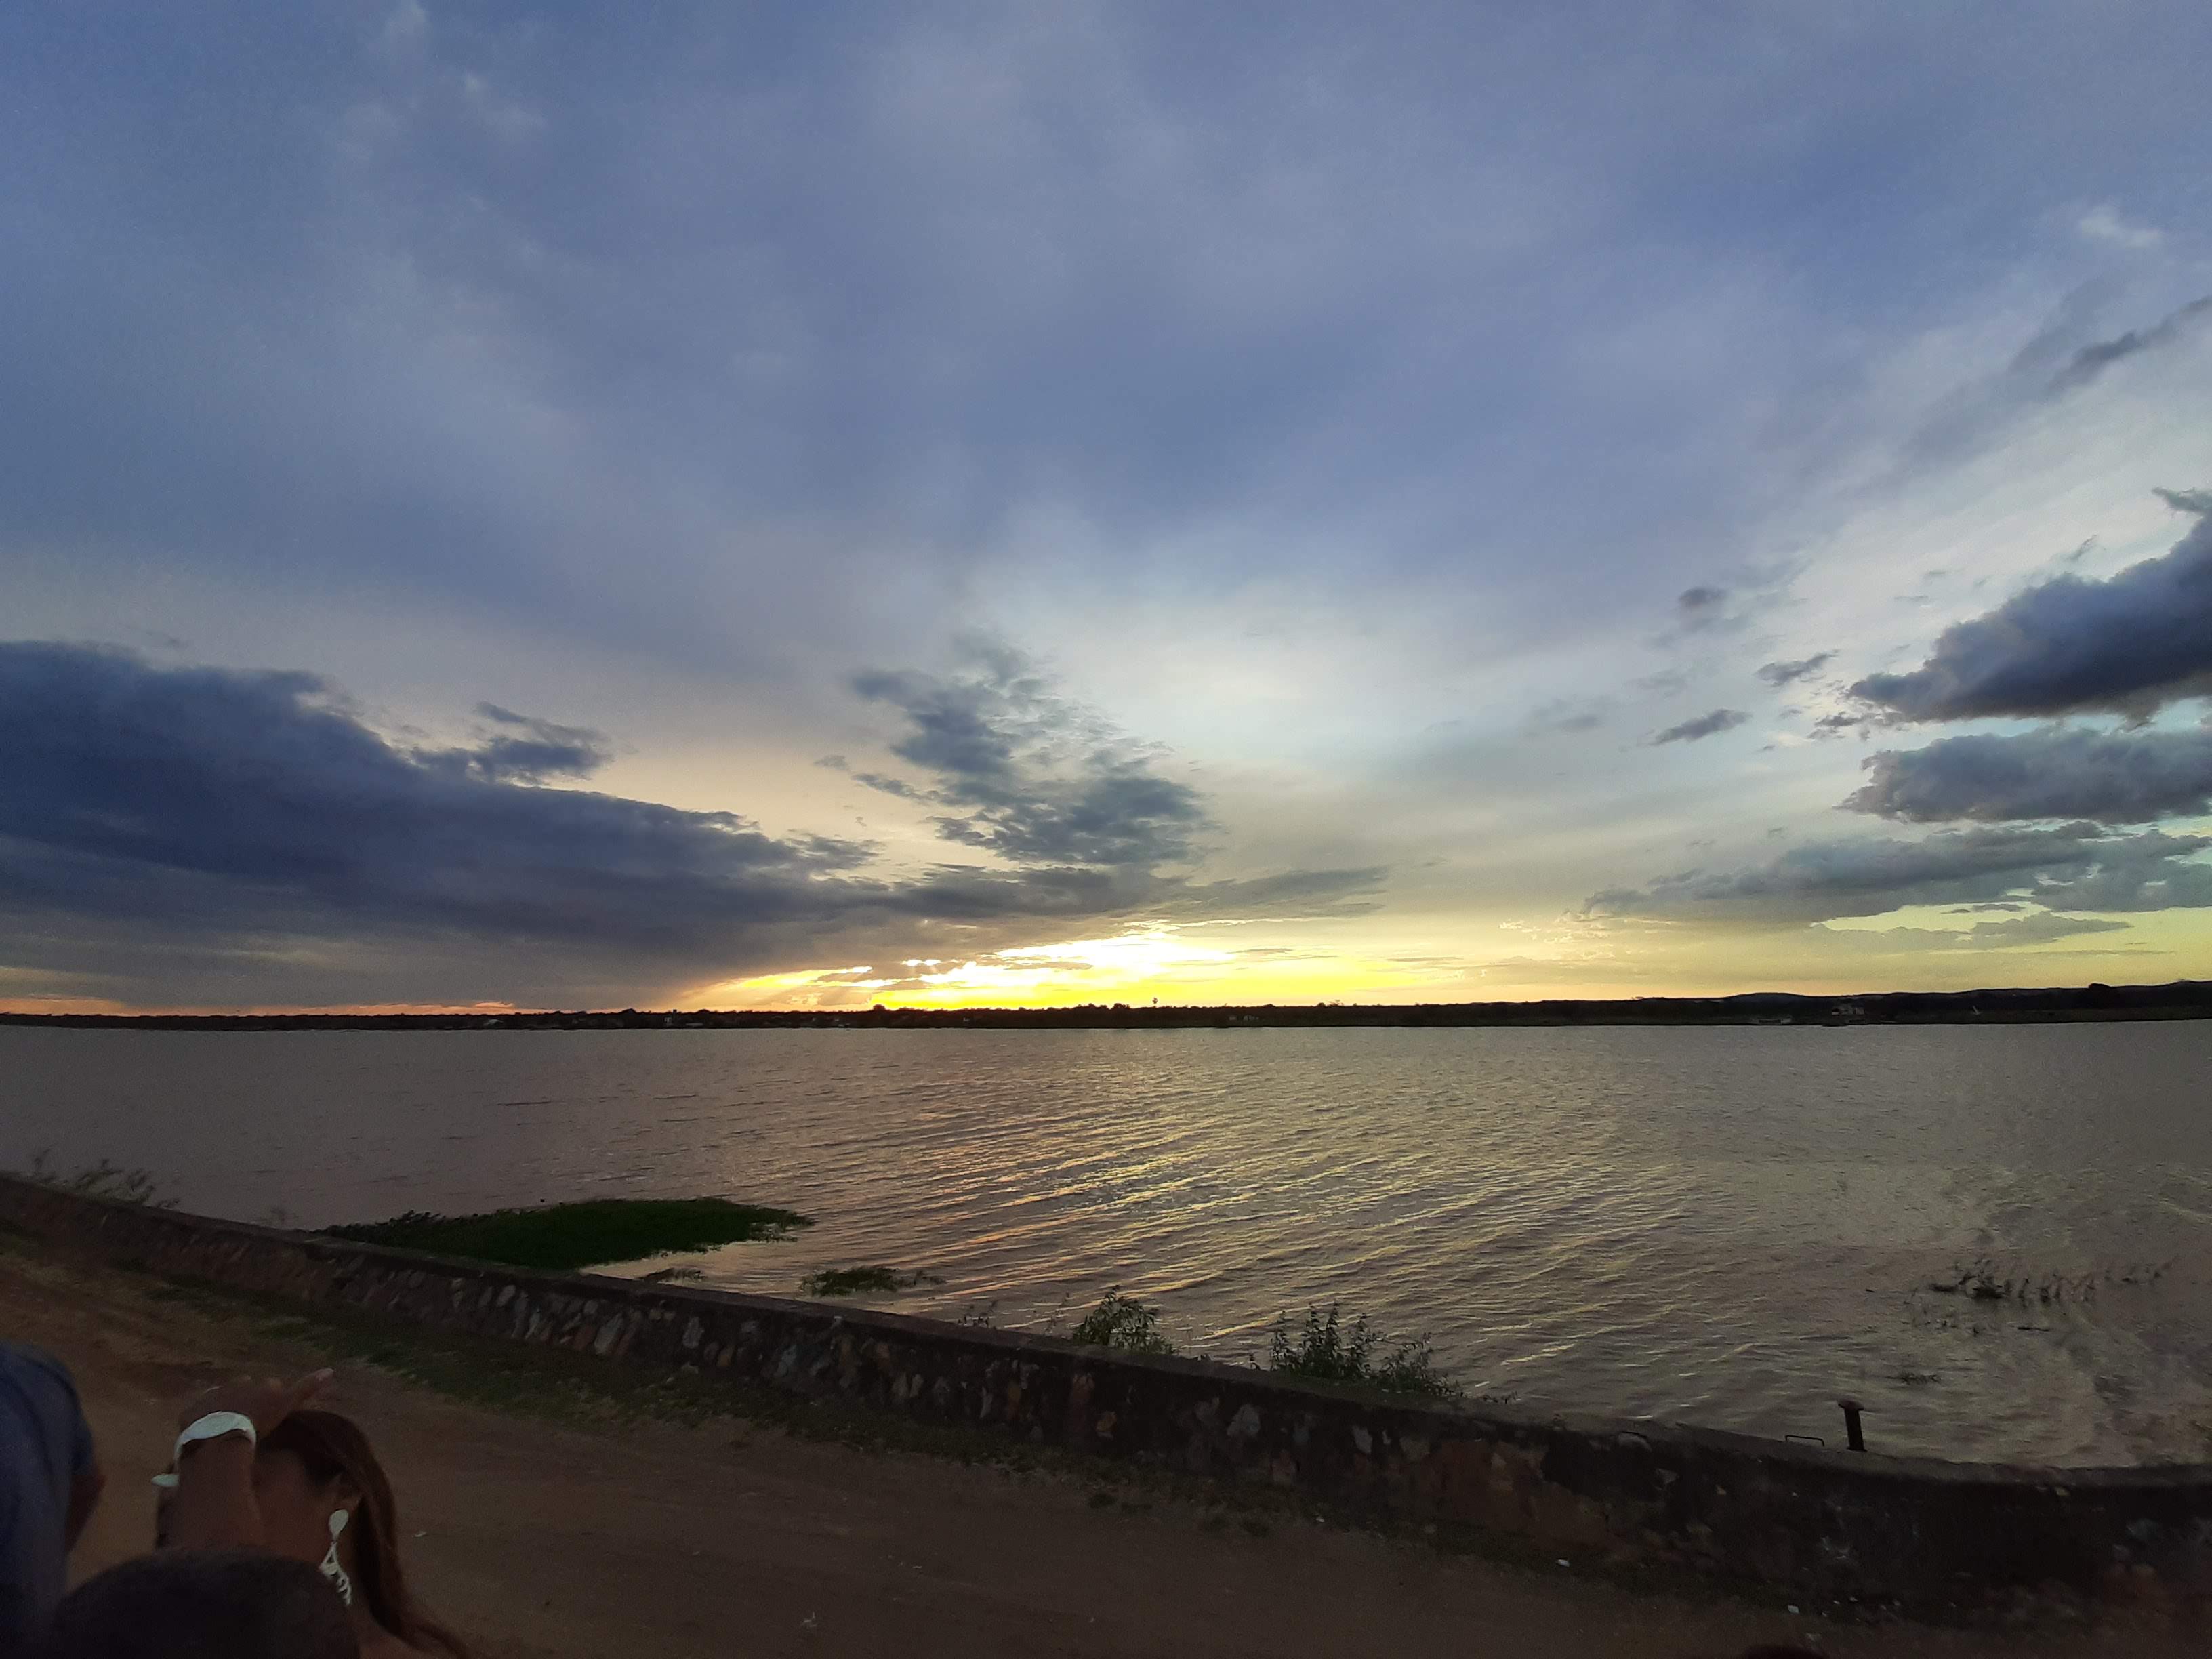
(203, 1604)
(315, 1465)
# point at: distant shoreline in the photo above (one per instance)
(2181, 999)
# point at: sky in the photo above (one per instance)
(953, 504)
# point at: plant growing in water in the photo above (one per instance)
(1328, 1350)
(1124, 1323)
(561, 1238)
(863, 1281)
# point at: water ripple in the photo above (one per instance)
(1728, 1226)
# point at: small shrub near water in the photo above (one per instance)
(1328, 1350)
(100, 1180)
(563, 1238)
(1124, 1323)
(863, 1281)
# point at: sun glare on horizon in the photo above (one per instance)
(1146, 962)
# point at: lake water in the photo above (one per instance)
(1724, 1226)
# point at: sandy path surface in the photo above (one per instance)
(661, 1539)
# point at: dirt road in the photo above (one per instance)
(660, 1539)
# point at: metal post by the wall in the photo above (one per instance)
(1851, 1429)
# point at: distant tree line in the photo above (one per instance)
(2182, 999)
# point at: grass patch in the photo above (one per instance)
(863, 1281)
(563, 1238)
(101, 1180)
(1328, 1350)
(1123, 1323)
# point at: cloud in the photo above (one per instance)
(1994, 935)
(1039, 781)
(2075, 866)
(898, 786)
(1705, 726)
(133, 777)
(1568, 714)
(162, 825)
(2112, 777)
(2128, 644)
(1699, 606)
(1779, 674)
(525, 750)
(1709, 608)
(2035, 930)
(2093, 359)
(2105, 224)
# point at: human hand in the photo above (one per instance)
(264, 1404)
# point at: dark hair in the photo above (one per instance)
(203, 1604)
(332, 1446)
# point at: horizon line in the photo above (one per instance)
(15, 1013)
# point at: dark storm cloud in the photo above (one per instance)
(1037, 780)
(2075, 866)
(2128, 644)
(525, 750)
(2113, 777)
(159, 813)
(126, 775)
(1779, 674)
(1705, 726)
(2092, 360)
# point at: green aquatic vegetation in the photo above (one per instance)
(563, 1238)
(863, 1281)
(1329, 1351)
(1124, 1323)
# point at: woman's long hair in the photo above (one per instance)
(330, 1446)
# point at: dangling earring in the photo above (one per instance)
(331, 1570)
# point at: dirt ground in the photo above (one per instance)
(537, 1536)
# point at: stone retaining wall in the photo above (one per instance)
(1822, 1522)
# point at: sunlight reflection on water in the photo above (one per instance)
(1727, 1226)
